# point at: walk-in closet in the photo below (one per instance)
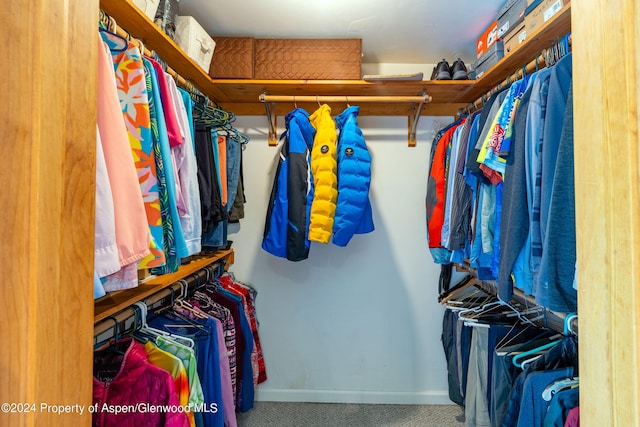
(326, 248)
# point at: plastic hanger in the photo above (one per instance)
(154, 333)
(513, 349)
(113, 348)
(188, 307)
(122, 43)
(533, 351)
(567, 323)
(559, 385)
(525, 363)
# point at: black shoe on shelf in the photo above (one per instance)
(433, 74)
(442, 71)
(459, 70)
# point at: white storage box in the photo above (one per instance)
(195, 41)
(149, 7)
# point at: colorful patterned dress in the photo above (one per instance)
(133, 95)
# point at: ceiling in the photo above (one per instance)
(392, 31)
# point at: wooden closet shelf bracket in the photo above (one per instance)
(270, 108)
(415, 108)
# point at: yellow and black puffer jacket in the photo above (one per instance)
(324, 172)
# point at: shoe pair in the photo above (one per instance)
(457, 71)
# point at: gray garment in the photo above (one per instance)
(459, 326)
(476, 409)
(559, 84)
(503, 374)
(514, 222)
(533, 163)
(461, 198)
(557, 268)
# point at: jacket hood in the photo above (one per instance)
(322, 117)
(299, 126)
(348, 113)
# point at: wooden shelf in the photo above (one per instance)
(114, 302)
(132, 19)
(242, 96)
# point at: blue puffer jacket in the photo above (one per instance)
(287, 222)
(353, 211)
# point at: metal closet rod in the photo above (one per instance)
(415, 108)
(344, 98)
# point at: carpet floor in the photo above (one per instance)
(294, 414)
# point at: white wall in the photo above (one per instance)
(355, 324)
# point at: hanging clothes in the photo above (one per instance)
(287, 219)
(188, 358)
(222, 169)
(105, 248)
(186, 166)
(212, 211)
(481, 344)
(236, 212)
(203, 302)
(132, 93)
(175, 367)
(132, 231)
(217, 237)
(248, 295)
(124, 376)
(158, 135)
(245, 343)
(208, 364)
(176, 247)
(324, 171)
(557, 209)
(175, 196)
(434, 202)
(514, 239)
(234, 150)
(462, 200)
(563, 355)
(519, 161)
(353, 213)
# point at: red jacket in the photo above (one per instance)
(437, 187)
(130, 383)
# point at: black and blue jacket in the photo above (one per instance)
(287, 222)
